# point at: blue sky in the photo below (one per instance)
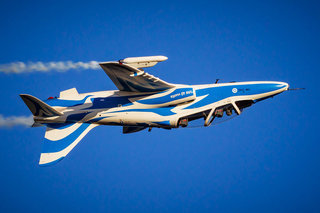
(266, 160)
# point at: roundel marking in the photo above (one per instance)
(234, 90)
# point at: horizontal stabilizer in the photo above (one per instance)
(60, 139)
(38, 107)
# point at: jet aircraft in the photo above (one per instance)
(141, 101)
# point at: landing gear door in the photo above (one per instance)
(236, 108)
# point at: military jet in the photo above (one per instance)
(141, 101)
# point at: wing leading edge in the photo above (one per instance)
(131, 79)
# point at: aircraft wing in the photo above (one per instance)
(131, 79)
(60, 139)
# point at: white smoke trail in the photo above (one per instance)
(21, 67)
(15, 121)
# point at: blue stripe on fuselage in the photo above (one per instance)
(215, 94)
(66, 103)
(173, 96)
(163, 111)
(59, 125)
(76, 117)
(163, 123)
(113, 101)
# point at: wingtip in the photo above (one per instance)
(44, 163)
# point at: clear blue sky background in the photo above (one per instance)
(266, 160)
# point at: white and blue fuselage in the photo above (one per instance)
(163, 109)
(142, 101)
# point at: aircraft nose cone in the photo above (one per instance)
(271, 88)
(282, 85)
(286, 85)
(276, 87)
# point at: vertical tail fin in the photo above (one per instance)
(38, 107)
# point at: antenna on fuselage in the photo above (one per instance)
(217, 80)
